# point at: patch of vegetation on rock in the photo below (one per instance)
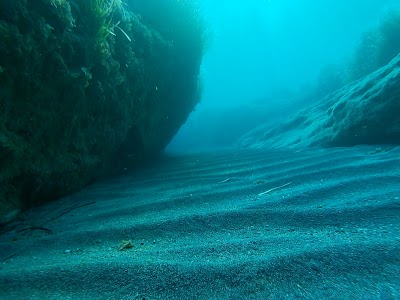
(88, 88)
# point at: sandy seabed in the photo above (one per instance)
(240, 224)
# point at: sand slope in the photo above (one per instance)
(200, 230)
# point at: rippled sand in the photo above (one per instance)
(276, 224)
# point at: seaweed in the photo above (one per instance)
(88, 89)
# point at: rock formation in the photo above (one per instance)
(366, 111)
(89, 88)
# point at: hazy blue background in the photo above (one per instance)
(261, 51)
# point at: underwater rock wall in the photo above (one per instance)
(365, 112)
(88, 88)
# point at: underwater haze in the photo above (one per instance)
(265, 55)
(200, 149)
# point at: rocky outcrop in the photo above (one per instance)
(88, 88)
(366, 111)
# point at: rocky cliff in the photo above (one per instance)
(89, 88)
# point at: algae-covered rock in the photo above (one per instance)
(88, 88)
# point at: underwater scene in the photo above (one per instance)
(200, 149)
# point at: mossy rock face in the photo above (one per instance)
(81, 99)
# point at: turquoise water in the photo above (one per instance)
(267, 59)
(282, 179)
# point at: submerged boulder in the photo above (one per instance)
(365, 112)
(89, 88)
